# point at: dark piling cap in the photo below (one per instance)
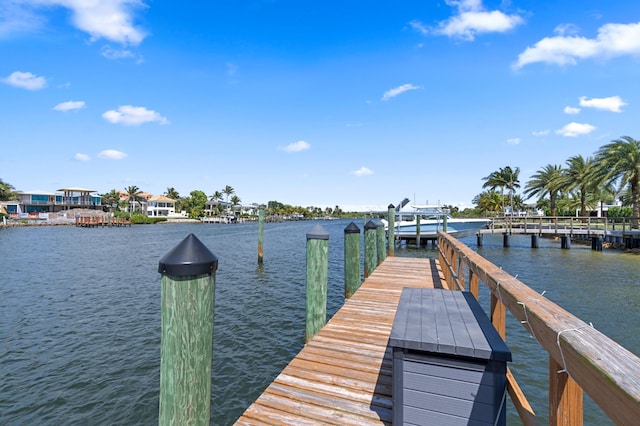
(317, 233)
(352, 228)
(370, 225)
(391, 206)
(189, 258)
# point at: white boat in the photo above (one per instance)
(432, 219)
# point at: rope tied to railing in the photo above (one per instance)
(564, 363)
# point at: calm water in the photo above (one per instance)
(80, 314)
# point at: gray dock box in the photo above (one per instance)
(449, 362)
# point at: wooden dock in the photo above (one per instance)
(343, 375)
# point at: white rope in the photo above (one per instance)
(502, 404)
(564, 363)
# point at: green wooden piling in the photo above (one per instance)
(380, 242)
(317, 276)
(391, 238)
(370, 248)
(351, 259)
(260, 235)
(444, 223)
(187, 296)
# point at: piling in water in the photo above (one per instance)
(380, 242)
(351, 259)
(391, 238)
(370, 250)
(317, 277)
(260, 235)
(187, 299)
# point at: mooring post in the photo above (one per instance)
(479, 239)
(260, 235)
(187, 300)
(506, 240)
(535, 241)
(380, 242)
(418, 230)
(565, 242)
(370, 250)
(351, 259)
(317, 276)
(444, 223)
(391, 237)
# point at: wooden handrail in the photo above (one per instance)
(579, 354)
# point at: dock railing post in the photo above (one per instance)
(391, 237)
(317, 277)
(380, 242)
(260, 235)
(187, 300)
(351, 259)
(370, 250)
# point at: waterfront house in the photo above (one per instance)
(34, 202)
(161, 206)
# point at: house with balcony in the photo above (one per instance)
(34, 202)
(161, 206)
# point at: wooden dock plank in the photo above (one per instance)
(343, 375)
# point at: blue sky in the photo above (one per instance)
(350, 103)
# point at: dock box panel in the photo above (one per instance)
(449, 363)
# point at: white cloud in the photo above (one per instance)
(69, 106)
(612, 40)
(112, 154)
(571, 110)
(540, 132)
(398, 90)
(296, 147)
(472, 19)
(25, 80)
(574, 129)
(104, 19)
(133, 116)
(362, 171)
(513, 141)
(566, 29)
(612, 103)
(81, 157)
(113, 54)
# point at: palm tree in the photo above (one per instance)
(235, 201)
(506, 177)
(228, 190)
(488, 201)
(546, 181)
(579, 178)
(7, 191)
(172, 193)
(619, 162)
(133, 192)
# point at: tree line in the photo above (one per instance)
(613, 172)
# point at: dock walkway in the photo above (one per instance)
(343, 375)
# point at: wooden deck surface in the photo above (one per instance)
(343, 376)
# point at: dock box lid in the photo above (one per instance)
(446, 322)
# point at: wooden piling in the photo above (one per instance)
(506, 240)
(351, 259)
(370, 250)
(565, 242)
(444, 223)
(418, 230)
(479, 238)
(187, 299)
(260, 235)
(380, 242)
(317, 277)
(391, 238)
(535, 241)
